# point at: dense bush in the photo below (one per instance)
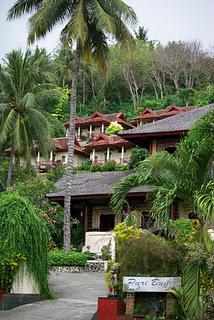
(133, 252)
(96, 168)
(138, 155)
(35, 191)
(18, 175)
(109, 166)
(56, 173)
(71, 258)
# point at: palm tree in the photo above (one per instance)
(185, 176)
(88, 23)
(22, 125)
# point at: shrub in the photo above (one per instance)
(56, 173)
(121, 167)
(138, 154)
(109, 166)
(70, 258)
(106, 252)
(136, 243)
(96, 168)
(114, 128)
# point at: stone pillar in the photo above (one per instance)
(103, 128)
(130, 297)
(122, 155)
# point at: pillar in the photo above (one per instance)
(86, 218)
(108, 154)
(51, 157)
(130, 297)
(79, 133)
(93, 156)
(38, 156)
(122, 155)
(103, 128)
(154, 146)
(90, 131)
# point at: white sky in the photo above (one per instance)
(167, 20)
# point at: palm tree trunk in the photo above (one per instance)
(10, 168)
(70, 159)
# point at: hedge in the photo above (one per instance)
(70, 258)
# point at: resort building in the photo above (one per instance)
(59, 154)
(104, 148)
(149, 115)
(88, 127)
(91, 192)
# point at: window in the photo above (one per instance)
(63, 159)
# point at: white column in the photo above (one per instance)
(93, 156)
(51, 156)
(122, 154)
(108, 154)
(38, 156)
(90, 131)
(103, 128)
(79, 133)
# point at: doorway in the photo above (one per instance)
(107, 222)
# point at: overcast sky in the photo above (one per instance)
(166, 20)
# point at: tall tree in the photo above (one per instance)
(22, 125)
(88, 23)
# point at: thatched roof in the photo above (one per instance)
(93, 184)
(180, 123)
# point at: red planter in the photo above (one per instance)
(110, 308)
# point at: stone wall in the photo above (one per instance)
(91, 266)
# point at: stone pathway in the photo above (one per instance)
(77, 299)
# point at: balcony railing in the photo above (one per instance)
(46, 165)
(121, 161)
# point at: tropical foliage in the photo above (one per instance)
(88, 24)
(24, 238)
(22, 124)
(184, 176)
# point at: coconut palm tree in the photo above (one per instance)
(22, 125)
(185, 176)
(87, 25)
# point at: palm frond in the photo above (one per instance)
(191, 288)
(204, 200)
(121, 190)
(46, 17)
(22, 7)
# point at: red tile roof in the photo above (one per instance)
(149, 114)
(61, 144)
(99, 118)
(102, 141)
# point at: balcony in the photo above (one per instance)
(46, 165)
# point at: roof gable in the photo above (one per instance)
(148, 113)
(96, 114)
